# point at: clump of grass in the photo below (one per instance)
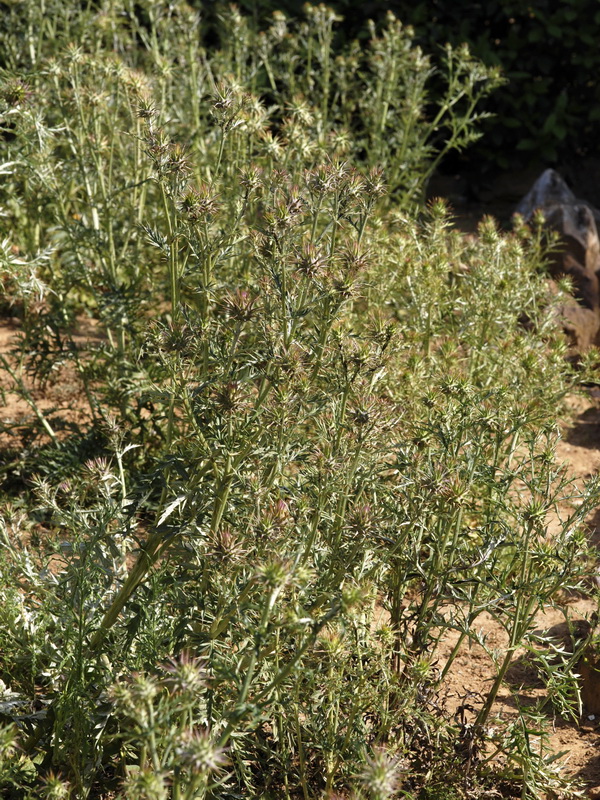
(309, 406)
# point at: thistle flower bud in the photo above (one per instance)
(226, 545)
(361, 519)
(251, 179)
(176, 161)
(321, 180)
(381, 775)
(147, 110)
(198, 202)
(185, 675)
(15, 92)
(285, 212)
(311, 261)
(146, 784)
(279, 27)
(353, 259)
(321, 15)
(339, 141)
(272, 146)
(276, 573)
(374, 183)
(55, 788)
(298, 109)
(98, 469)
(239, 305)
(168, 158)
(228, 397)
(353, 598)
(198, 753)
(223, 103)
(144, 688)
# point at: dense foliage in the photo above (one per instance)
(548, 111)
(302, 434)
(548, 50)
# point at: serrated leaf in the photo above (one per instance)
(174, 504)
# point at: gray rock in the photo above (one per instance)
(576, 223)
(550, 190)
(577, 254)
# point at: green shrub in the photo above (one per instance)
(318, 436)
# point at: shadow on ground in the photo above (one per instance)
(585, 431)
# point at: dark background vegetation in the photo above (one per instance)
(548, 114)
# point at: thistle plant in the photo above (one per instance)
(304, 407)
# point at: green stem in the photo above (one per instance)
(301, 756)
(521, 622)
(26, 394)
(173, 276)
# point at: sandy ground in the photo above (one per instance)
(61, 396)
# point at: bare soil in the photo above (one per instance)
(61, 395)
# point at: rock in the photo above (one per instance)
(577, 254)
(584, 280)
(576, 224)
(589, 680)
(581, 325)
(548, 190)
